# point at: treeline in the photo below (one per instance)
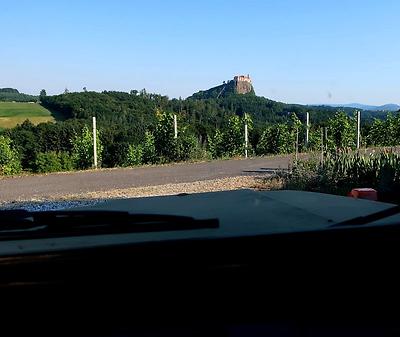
(137, 128)
(136, 109)
(68, 145)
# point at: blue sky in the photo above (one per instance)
(296, 51)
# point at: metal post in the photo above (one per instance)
(94, 143)
(175, 128)
(358, 129)
(307, 128)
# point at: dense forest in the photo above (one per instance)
(13, 95)
(137, 128)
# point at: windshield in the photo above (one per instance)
(118, 100)
(199, 168)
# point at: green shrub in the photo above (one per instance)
(276, 139)
(135, 155)
(342, 132)
(149, 155)
(230, 142)
(53, 162)
(47, 162)
(82, 151)
(184, 146)
(166, 147)
(9, 159)
(66, 161)
(215, 144)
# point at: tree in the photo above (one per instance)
(82, 152)
(42, 93)
(276, 139)
(84, 89)
(9, 160)
(342, 131)
(25, 139)
(149, 155)
(135, 155)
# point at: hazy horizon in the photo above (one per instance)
(304, 52)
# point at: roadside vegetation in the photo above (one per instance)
(338, 168)
(137, 128)
(339, 173)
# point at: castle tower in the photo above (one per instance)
(243, 84)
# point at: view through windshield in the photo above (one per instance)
(199, 168)
(103, 100)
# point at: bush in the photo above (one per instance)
(184, 146)
(341, 172)
(276, 139)
(215, 144)
(82, 151)
(135, 155)
(47, 162)
(342, 132)
(9, 159)
(149, 155)
(53, 162)
(167, 148)
(281, 138)
(66, 161)
(230, 142)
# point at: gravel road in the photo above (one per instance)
(60, 185)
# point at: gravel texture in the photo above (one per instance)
(91, 198)
(58, 185)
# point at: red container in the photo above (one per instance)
(364, 193)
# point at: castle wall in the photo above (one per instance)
(242, 78)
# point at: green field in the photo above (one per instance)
(13, 113)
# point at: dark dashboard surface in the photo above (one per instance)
(287, 283)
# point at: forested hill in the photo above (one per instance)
(13, 95)
(140, 107)
(137, 110)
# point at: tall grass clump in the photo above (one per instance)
(338, 173)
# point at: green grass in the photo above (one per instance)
(12, 114)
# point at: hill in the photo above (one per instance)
(13, 95)
(386, 107)
(136, 111)
(239, 85)
(13, 113)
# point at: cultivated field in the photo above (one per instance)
(13, 113)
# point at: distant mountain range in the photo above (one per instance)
(386, 107)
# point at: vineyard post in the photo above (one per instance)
(246, 136)
(175, 127)
(322, 145)
(307, 128)
(94, 143)
(358, 129)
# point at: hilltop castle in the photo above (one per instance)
(241, 84)
(242, 78)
